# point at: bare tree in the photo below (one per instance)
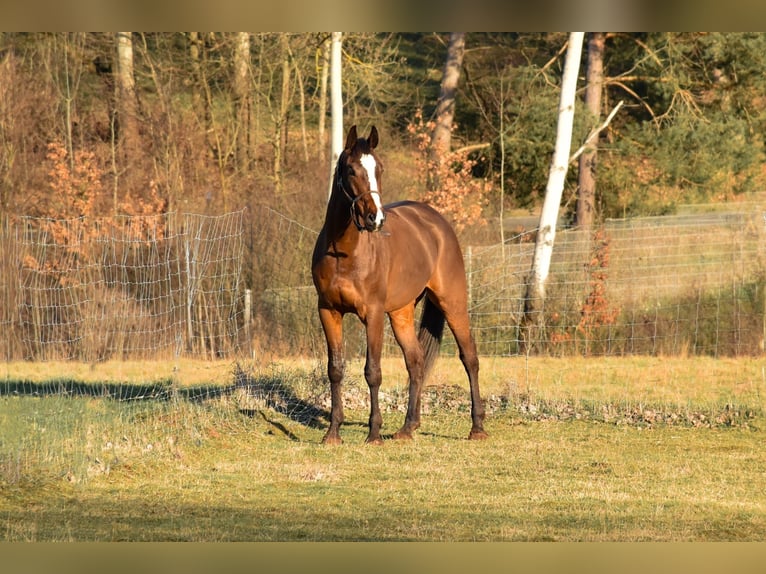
(546, 233)
(280, 136)
(587, 167)
(242, 98)
(125, 94)
(64, 63)
(200, 92)
(441, 140)
(336, 104)
(323, 98)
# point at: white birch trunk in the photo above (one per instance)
(546, 233)
(336, 104)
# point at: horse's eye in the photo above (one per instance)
(351, 172)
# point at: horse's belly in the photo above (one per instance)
(405, 286)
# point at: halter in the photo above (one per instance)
(351, 198)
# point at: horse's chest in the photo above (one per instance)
(348, 290)
(346, 295)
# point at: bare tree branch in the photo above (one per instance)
(592, 135)
(472, 147)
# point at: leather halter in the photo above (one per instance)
(353, 199)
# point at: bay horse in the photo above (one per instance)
(372, 260)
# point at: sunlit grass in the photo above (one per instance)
(232, 467)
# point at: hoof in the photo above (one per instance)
(376, 440)
(332, 439)
(403, 435)
(478, 435)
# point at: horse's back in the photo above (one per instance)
(425, 250)
(417, 220)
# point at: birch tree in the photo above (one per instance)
(336, 104)
(546, 234)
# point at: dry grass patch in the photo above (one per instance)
(239, 465)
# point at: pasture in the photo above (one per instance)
(605, 449)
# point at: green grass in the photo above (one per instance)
(579, 450)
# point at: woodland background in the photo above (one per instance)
(103, 126)
(213, 122)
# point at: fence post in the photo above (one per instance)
(469, 273)
(189, 292)
(248, 316)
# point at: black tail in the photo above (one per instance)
(430, 334)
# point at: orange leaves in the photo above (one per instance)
(70, 218)
(145, 224)
(459, 195)
(596, 310)
(75, 183)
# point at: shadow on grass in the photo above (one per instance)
(268, 392)
(274, 393)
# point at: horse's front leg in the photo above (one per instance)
(403, 325)
(332, 323)
(372, 373)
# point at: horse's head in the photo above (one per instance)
(359, 171)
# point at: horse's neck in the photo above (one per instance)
(338, 222)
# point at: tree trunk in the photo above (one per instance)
(200, 96)
(546, 233)
(242, 99)
(323, 99)
(284, 105)
(336, 105)
(280, 137)
(587, 166)
(125, 86)
(302, 98)
(441, 139)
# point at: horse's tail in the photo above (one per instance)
(430, 334)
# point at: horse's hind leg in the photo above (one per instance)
(459, 324)
(403, 326)
(332, 323)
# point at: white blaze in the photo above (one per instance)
(368, 163)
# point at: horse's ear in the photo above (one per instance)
(373, 139)
(351, 137)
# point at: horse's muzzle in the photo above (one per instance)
(374, 221)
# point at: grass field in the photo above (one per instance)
(661, 449)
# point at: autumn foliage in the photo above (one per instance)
(74, 183)
(596, 311)
(459, 196)
(72, 214)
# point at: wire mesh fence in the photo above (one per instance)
(676, 285)
(667, 285)
(220, 287)
(92, 289)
